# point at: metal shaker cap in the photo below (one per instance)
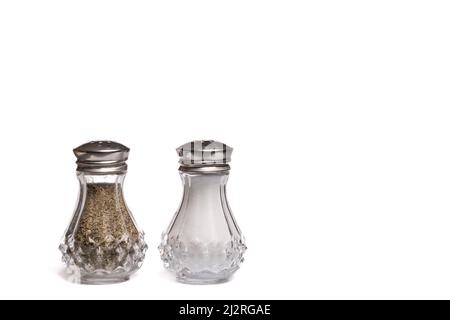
(204, 153)
(102, 157)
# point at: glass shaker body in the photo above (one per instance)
(102, 243)
(203, 244)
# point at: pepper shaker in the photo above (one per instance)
(102, 244)
(203, 244)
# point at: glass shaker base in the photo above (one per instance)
(101, 279)
(197, 281)
(204, 277)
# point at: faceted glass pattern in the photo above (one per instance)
(203, 244)
(102, 243)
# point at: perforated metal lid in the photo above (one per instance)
(204, 153)
(102, 157)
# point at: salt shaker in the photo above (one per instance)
(203, 244)
(102, 243)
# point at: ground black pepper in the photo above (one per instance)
(105, 234)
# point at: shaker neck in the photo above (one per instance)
(100, 178)
(208, 183)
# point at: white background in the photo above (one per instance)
(338, 112)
